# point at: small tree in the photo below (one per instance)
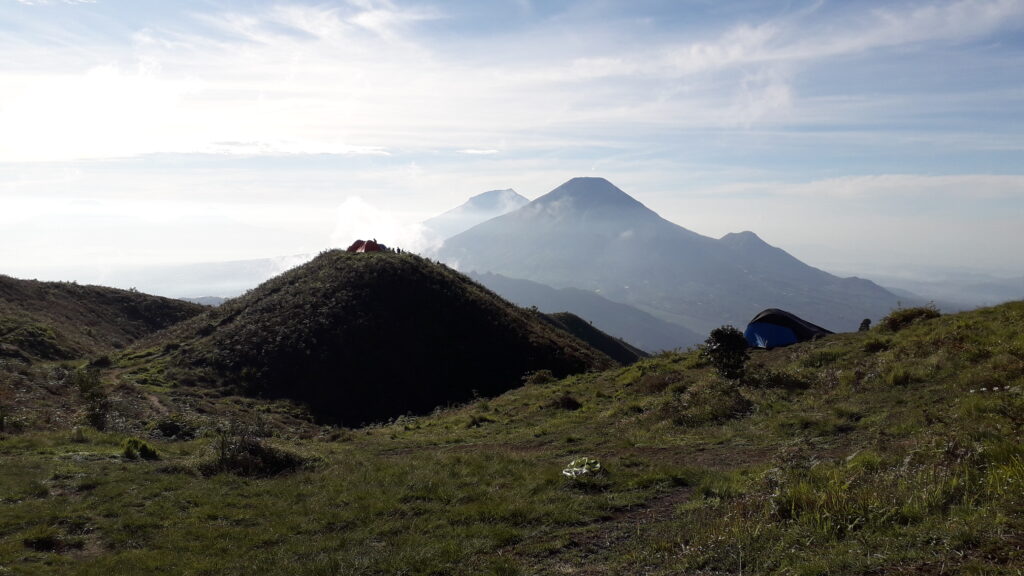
(726, 350)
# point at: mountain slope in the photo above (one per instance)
(873, 452)
(477, 209)
(62, 320)
(591, 235)
(364, 337)
(617, 319)
(618, 350)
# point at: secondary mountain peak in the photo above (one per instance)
(743, 239)
(477, 209)
(497, 200)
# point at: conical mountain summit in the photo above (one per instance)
(589, 234)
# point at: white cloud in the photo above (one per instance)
(884, 186)
(358, 219)
(44, 2)
(360, 78)
(690, 113)
(905, 220)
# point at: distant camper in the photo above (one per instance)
(366, 246)
(773, 328)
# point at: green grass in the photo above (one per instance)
(64, 320)
(835, 457)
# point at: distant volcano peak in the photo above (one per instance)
(496, 200)
(586, 193)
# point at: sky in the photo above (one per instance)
(862, 137)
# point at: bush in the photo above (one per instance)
(769, 378)
(656, 383)
(566, 402)
(133, 449)
(539, 377)
(101, 362)
(898, 376)
(873, 345)
(726, 351)
(97, 401)
(902, 317)
(711, 402)
(477, 420)
(176, 426)
(237, 449)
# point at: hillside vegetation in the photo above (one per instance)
(615, 348)
(882, 452)
(365, 337)
(63, 320)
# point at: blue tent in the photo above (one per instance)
(773, 328)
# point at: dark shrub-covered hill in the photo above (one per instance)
(363, 337)
(617, 349)
(62, 320)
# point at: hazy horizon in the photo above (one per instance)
(875, 138)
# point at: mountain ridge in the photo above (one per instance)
(621, 320)
(591, 235)
(62, 320)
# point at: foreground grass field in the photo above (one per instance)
(871, 453)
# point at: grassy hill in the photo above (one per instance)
(62, 320)
(365, 337)
(893, 451)
(615, 348)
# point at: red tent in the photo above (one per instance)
(365, 246)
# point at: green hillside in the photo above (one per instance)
(365, 337)
(615, 348)
(62, 320)
(883, 452)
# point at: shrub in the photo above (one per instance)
(656, 382)
(237, 449)
(476, 421)
(726, 351)
(873, 345)
(539, 377)
(711, 402)
(902, 317)
(822, 358)
(769, 378)
(101, 362)
(97, 401)
(133, 449)
(176, 426)
(43, 539)
(898, 376)
(566, 402)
